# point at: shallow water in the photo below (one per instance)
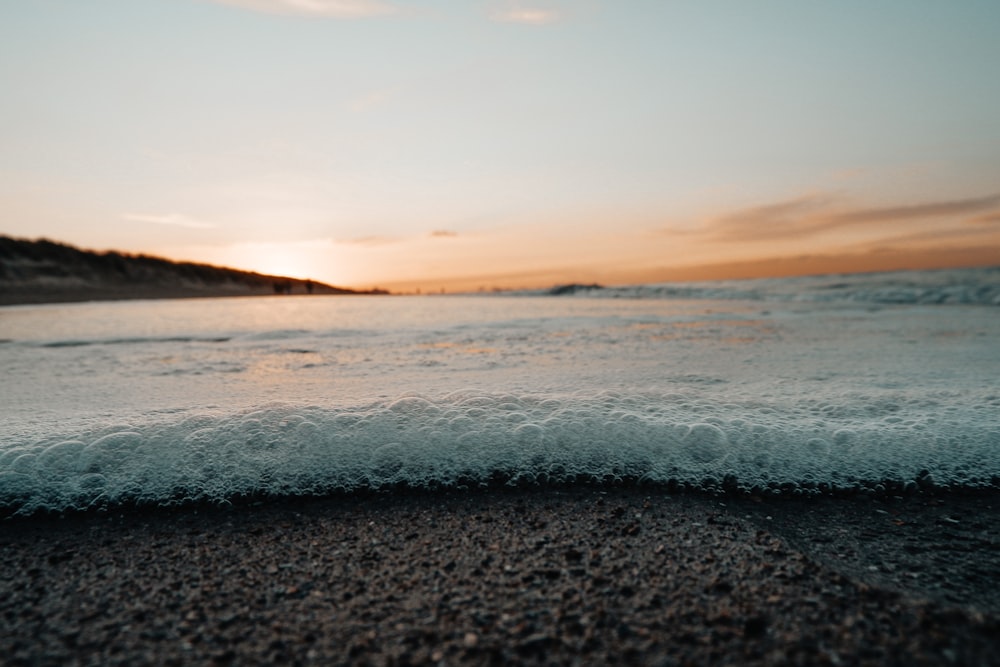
(168, 401)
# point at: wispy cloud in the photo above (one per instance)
(986, 219)
(172, 219)
(817, 213)
(778, 219)
(369, 240)
(376, 240)
(944, 209)
(517, 12)
(968, 234)
(341, 9)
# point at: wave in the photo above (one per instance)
(271, 336)
(468, 439)
(979, 287)
(135, 340)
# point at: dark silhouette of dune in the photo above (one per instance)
(45, 271)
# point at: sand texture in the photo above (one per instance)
(582, 576)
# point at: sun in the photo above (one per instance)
(315, 260)
(277, 259)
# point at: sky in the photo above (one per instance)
(481, 144)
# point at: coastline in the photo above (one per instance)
(43, 271)
(591, 576)
(42, 295)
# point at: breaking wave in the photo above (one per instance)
(468, 439)
(978, 287)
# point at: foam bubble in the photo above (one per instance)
(705, 443)
(466, 438)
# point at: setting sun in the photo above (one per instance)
(308, 260)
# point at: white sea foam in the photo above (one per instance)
(469, 438)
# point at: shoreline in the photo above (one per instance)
(531, 576)
(43, 296)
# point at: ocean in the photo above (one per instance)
(873, 382)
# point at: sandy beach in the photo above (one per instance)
(579, 576)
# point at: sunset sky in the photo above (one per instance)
(499, 143)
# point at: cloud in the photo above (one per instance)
(370, 240)
(948, 235)
(768, 221)
(515, 12)
(928, 210)
(986, 219)
(339, 9)
(817, 213)
(375, 240)
(172, 219)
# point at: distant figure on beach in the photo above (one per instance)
(282, 287)
(309, 286)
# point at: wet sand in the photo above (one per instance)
(582, 576)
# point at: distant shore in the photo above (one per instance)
(579, 576)
(47, 295)
(43, 271)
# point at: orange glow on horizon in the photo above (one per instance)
(400, 270)
(798, 236)
(887, 260)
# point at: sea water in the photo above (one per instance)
(786, 385)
